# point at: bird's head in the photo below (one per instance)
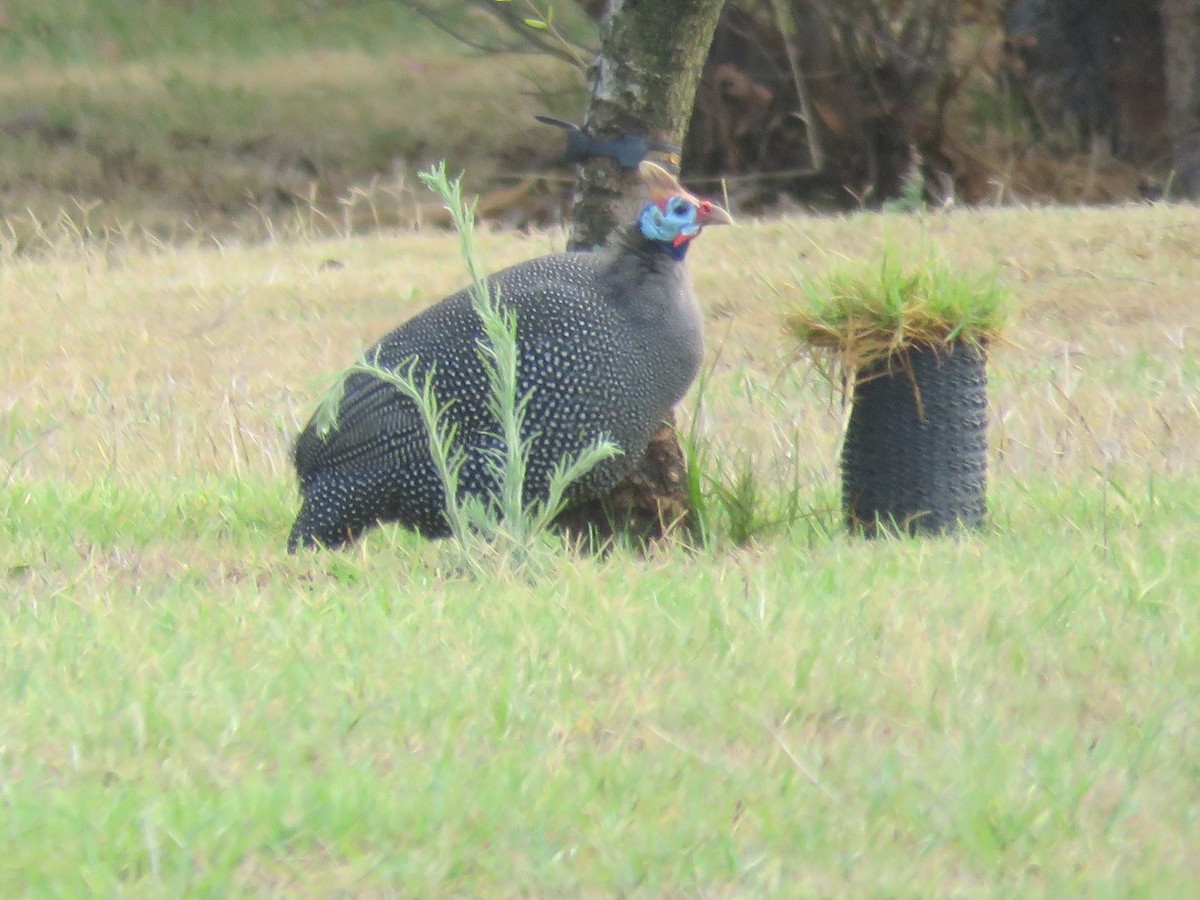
(673, 217)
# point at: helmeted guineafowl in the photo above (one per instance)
(609, 341)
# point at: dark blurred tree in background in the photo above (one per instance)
(1090, 71)
(1181, 27)
(845, 102)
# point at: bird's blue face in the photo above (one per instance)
(672, 221)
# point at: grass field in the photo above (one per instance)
(185, 117)
(189, 711)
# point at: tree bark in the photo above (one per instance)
(1181, 34)
(644, 82)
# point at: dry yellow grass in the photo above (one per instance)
(134, 362)
(1101, 365)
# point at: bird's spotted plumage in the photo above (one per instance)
(608, 342)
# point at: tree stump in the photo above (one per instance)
(646, 506)
(644, 82)
(915, 452)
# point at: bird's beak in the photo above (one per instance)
(711, 214)
(662, 185)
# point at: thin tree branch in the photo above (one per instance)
(786, 26)
(531, 41)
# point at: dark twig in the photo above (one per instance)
(530, 40)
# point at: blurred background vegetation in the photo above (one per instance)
(231, 116)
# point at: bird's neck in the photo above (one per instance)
(650, 249)
(652, 283)
(676, 252)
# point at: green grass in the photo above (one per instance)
(230, 117)
(63, 31)
(864, 310)
(188, 711)
(962, 716)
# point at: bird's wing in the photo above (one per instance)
(372, 422)
(375, 424)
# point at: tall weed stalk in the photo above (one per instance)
(505, 529)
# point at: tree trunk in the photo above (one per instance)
(1181, 33)
(644, 83)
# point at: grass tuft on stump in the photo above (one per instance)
(861, 312)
